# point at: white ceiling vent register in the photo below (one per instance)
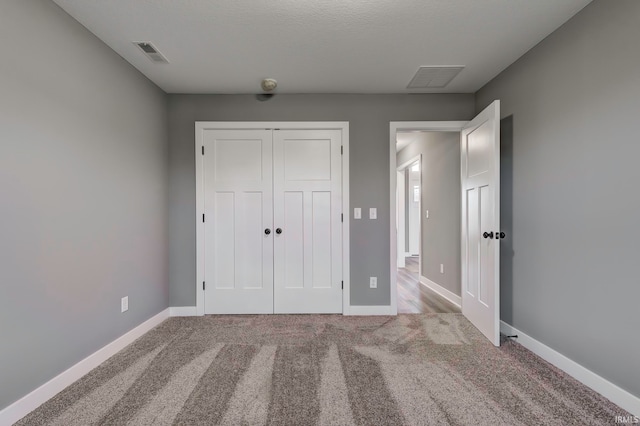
(151, 51)
(434, 77)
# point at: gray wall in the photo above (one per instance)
(570, 109)
(83, 184)
(369, 117)
(440, 194)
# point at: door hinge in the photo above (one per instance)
(341, 217)
(341, 150)
(202, 149)
(203, 286)
(202, 217)
(343, 285)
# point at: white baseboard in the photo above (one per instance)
(191, 311)
(449, 295)
(183, 311)
(614, 393)
(371, 310)
(34, 399)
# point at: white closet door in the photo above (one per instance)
(307, 211)
(238, 210)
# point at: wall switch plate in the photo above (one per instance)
(357, 213)
(442, 268)
(124, 304)
(427, 214)
(373, 213)
(373, 282)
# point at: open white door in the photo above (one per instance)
(480, 174)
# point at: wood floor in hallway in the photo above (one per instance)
(416, 298)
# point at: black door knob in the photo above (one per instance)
(488, 235)
(267, 231)
(502, 235)
(278, 231)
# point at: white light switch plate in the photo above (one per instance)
(373, 282)
(427, 214)
(124, 304)
(373, 213)
(357, 213)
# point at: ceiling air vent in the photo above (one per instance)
(433, 77)
(151, 51)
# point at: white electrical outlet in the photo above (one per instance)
(124, 304)
(442, 268)
(373, 282)
(373, 213)
(357, 213)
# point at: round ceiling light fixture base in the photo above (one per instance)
(269, 84)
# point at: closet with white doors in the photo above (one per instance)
(271, 233)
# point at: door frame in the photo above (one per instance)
(400, 218)
(200, 126)
(394, 128)
(403, 167)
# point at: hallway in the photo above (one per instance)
(416, 298)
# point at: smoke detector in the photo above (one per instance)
(429, 77)
(151, 51)
(269, 84)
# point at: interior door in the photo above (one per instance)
(480, 174)
(238, 221)
(307, 221)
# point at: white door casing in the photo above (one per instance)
(394, 128)
(400, 219)
(413, 207)
(307, 219)
(238, 208)
(480, 255)
(404, 197)
(237, 200)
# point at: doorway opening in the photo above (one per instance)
(428, 222)
(479, 216)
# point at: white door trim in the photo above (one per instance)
(394, 128)
(404, 166)
(200, 126)
(400, 225)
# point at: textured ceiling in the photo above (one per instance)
(320, 46)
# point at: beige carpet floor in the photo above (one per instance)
(429, 369)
